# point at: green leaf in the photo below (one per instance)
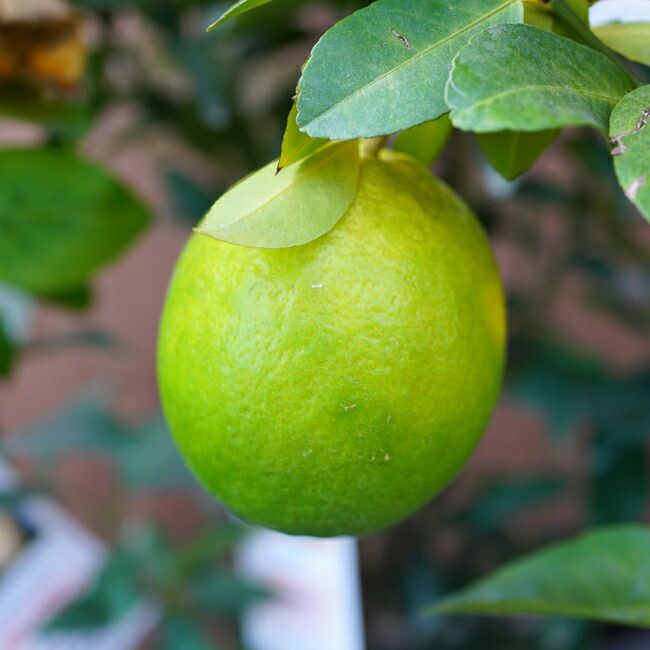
(570, 390)
(632, 40)
(145, 457)
(425, 141)
(91, 338)
(61, 219)
(384, 68)
(520, 78)
(79, 297)
(114, 591)
(504, 500)
(7, 352)
(213, 591)
(630, 135)
(302, 203)
(66, 119)
(191, 201)
(603, 575)
(297, 145)
(618, 484)
(240, 7)
(183, 633)
(538, 15)
(205, 547)
(512, 153)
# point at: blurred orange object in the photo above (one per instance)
(41, 44)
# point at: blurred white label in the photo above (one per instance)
(623, 11)
(317, 602)
(53, 567)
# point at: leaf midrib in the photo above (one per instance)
(488, 100)
(410, 60)
(291, 185)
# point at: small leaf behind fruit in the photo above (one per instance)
(520, 78)
(632, 40)
(425, 141)
(603, 575)
(630, 136)
(296, 145)
(302, 203)
(512, 153)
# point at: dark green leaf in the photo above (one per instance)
(146, 457)
(240, 7)
(7, 352)
(603, 575)
(79, 297)
(619, 482)
(297, 145)
(109, 598)
(296, 206)
(61, 219)
(384, 68)
(632, 40)
(512, 153)
(520, 78)
(571, 19)
(425, 141)
(571, 390)
(630, 135)
(504, 500)
(63, 118)
(86, 426)
(183, 633)
(93, 338)
(538, 15)
(149, 459)
(191, 201)
(206, 546)
(215, 592)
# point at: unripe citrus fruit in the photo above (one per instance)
(333, 388)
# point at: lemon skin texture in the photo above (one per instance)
(333, 388)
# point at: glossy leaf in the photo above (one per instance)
(296, 145)
(384, 68)
(630, 135)
(512, 153)
(239, 8)
(603, 575)
(520, 78)
(302, 203)
(61, 219)
(425, 141)
(632, 40)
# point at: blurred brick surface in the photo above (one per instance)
(129, 297)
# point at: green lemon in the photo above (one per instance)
(335, 387)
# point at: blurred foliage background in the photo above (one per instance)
(568, 445)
